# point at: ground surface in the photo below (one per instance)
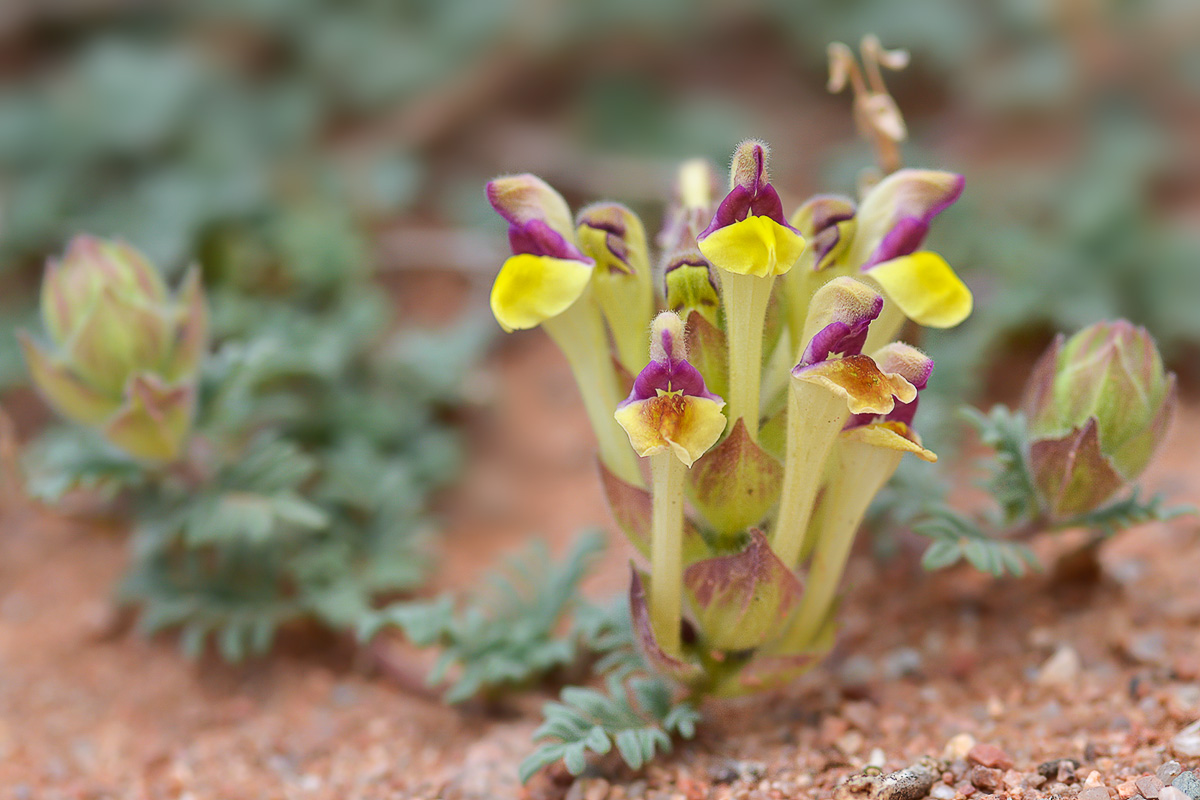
(926, 665)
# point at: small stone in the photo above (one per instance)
(1189, 784)
(943, 792)
(1094, 793)
(1149, 786)
(1093, 779)
(988, 755)
(900, 663)
(1169, 771)
(731, 770)
(1187, 741)
(1126, 790)
(855, 785)
(985, 778)
(877, 758)
(1148, 647)
(1061, 670)
(1171, 793)
(911, 783)
(1050, 770)
(1013, 779)
(857, 673)
(850, 743)
(957, 748)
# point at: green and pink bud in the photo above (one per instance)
(124, 354)
(1098, 406)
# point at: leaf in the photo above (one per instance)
(509, 632)
(638, 718)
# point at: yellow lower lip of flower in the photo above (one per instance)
(531, 289)
(867, 389)
(891, 436)
(686, 425)
(925, 288)
(757, 246)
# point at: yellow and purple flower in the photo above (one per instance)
(749, 234)
(670, 408)
(548, 282)
(547, 272)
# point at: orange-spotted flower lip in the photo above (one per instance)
(917, 372)
(668, 375)
(754, 197)
(840, 337)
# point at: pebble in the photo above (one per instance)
(911, 783)
(1127, 790)
(1060, 769)
(1171, 793)
(943, 792)
(958, 747)
(1061, 670)
(1094, 793)
(985, 778)
(1149, 647)
(857, 673)
(1149, 786)
(1189, 784)
(1187, 741)
(988, 755)
(900, 663)
(731, 770)
(1169, 771)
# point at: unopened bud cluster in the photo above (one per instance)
(1098, 405)
(123, 353)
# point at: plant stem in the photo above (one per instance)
(666, 550)
(745, 299)
(860, 472)
(814, 417)
(579, 333)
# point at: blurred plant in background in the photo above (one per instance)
(300, 491)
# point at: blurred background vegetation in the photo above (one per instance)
(287, 144)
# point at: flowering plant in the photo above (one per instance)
(774, 400)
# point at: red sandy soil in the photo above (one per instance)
(90, 711)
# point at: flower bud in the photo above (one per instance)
(828, 223)
(613, 236)
(1098, 405)
(125, 354)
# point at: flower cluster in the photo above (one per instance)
(774, 403)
